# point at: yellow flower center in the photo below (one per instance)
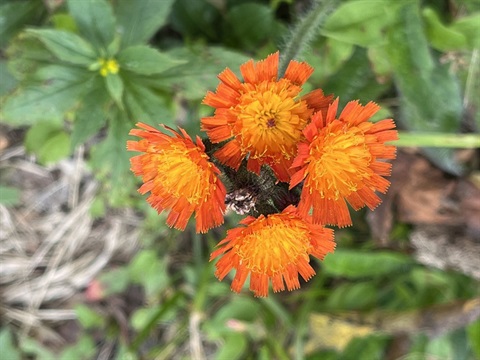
(108, 67)
(270, 119)
(274, 245)
(339, 161)
(180, 176)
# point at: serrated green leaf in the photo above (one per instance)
(354, 264)
(144, 60)
(15, 15)
(66, 46)
(9, 196)
(361, 22)
(48, 141)
(419, 76)
(440, 36)
(114, 85)
(95, 20)
(139, 20)
(56, 89)
(91, 116)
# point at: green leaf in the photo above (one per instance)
(440, 36)
(249, 24)
(147, 105)
(35, 349)
(357, 296)
(327, 56)
(372, 347)
(473, 332)
(65, 22)
(15, 15)
(150, 271)
(419, 76)
(110, 161)
(233, 348)
(145, 60)
(56, 89)
(91, 115)
(88, 318)
(354, 264)
(139, 20)
(83, 349)
(8, 82)
(115, 281)
(361, 22)
(469, 26)
(114, 85)
(9, 196)
(95, 20)
(26, 55)
(48, 141)
(195, 19)
(355, 80)
(199, 74)
(66, 46)
(9, 350)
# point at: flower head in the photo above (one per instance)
(339, 162)
(179, 177)
(262, 117)
(275, 247)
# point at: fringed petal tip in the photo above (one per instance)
(272, 249)
(179, 177)
(339, 160)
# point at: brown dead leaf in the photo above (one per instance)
(423, 194)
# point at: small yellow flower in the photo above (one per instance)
(274, 248)
(108, 67)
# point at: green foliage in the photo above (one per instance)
(164, 56)
(9, 350)
(9, 196)
(353, 264)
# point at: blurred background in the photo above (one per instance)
(89, 271)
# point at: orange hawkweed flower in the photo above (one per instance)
(339, 162)
(179, 177)
(274, 247)
(262, 117)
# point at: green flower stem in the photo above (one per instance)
(440, 140)
(304, 31)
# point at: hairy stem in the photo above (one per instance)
(304, 31)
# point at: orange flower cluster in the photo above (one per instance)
(329, 159)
